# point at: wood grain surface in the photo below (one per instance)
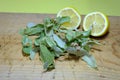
(15, 66)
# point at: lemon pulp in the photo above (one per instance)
(75, 18)
(98, 21)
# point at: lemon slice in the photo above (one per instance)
(75, 18)
(98, 22)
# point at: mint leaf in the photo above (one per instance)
(37, 42)
(27, 50)
(47, 57)
(63, 19)
(58, 51)
(59, 41)
(32, 54)
(34, 30)
(48, 22)
(27, 44)
(86, 33)
(50, 42)
(26, 41)
(72, 35)
(90, 60)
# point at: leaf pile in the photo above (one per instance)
(52, 41)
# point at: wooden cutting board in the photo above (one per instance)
(15, 66)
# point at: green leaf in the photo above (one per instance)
(93, 42)
(48, 22)
(86, 33)
(37, 42)
(42, 35)
(58, 51)
(50, 42)
(83, 51)
(26, 41)
(46, 56)
(63, 19)
(87, 47)
(59, 41)
(27, 50)
(87, 43)
(40, 39)
(90, 60)
(32, 54)
(34, 30)
(72, 35)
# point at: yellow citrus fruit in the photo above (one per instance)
(75, 18)
(98, 22)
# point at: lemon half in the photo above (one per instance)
(75, 18)
(98, 22)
